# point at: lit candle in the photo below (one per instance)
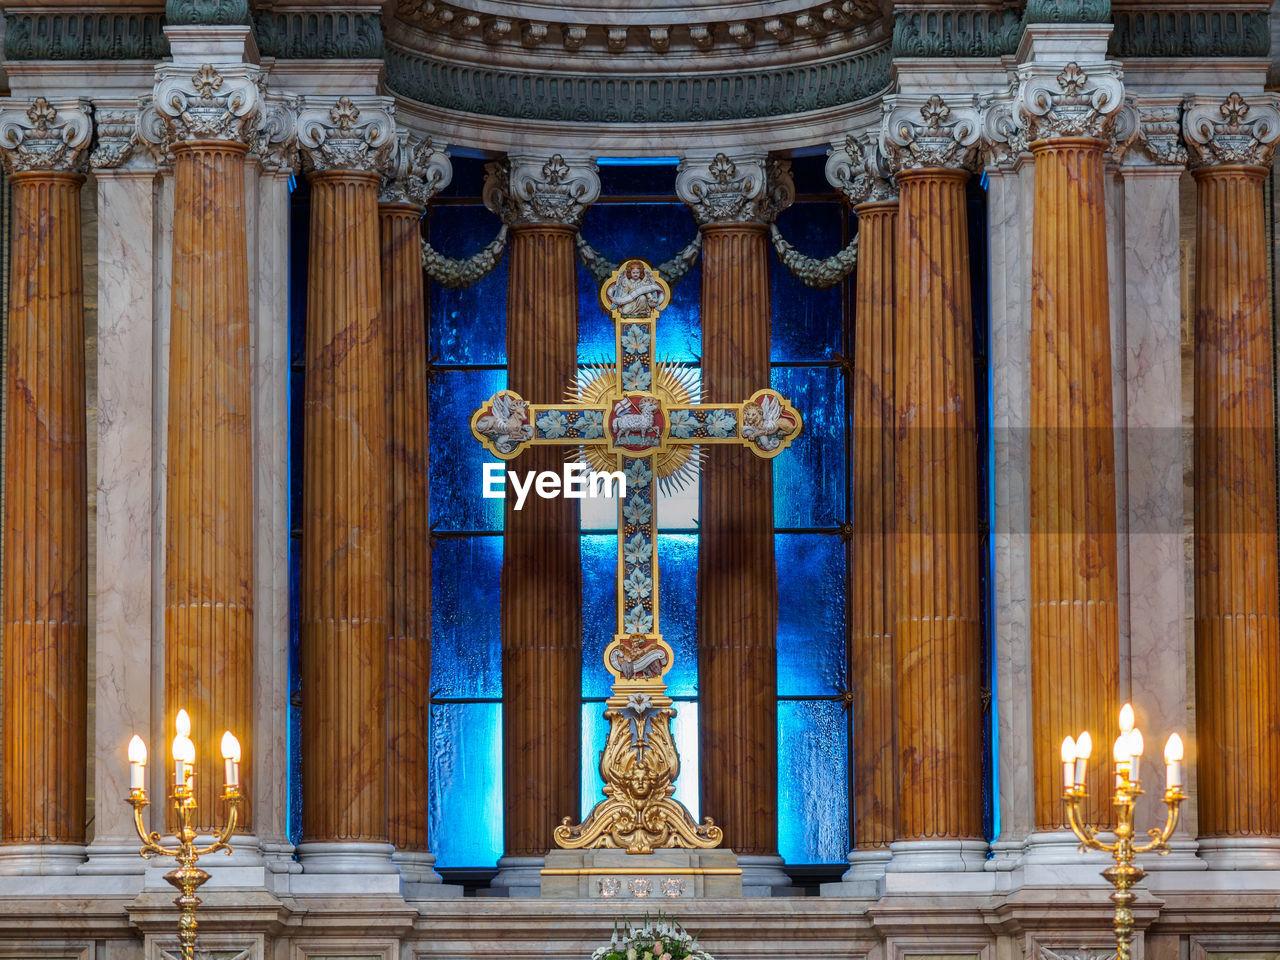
(1068, 763)
(231, 759)
(184, 751)
(1084, 747)
(1126, 718)
(1136, 747)
(1173, 762)
(137, 763)
(1120, 753)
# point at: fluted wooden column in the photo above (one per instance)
(1236, 618)
(875, 761)
(45, 515)
(344, 562)
(936, 514)
(737, 580)
(409, 531)
(541, 571)
(209, 501)
(1074, 638)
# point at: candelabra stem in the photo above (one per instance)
(187, 879)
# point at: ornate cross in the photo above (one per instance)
(643, 419)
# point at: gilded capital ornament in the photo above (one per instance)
(522, 189)
(858, 170)
(209, 103)
(419, 170)
(745, 189)
(348, 135)
(933, 134)
(1232, 131)
(43, 136)
(1070, 102)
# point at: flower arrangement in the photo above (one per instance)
(660, 939)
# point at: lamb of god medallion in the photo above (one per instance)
(644, 419)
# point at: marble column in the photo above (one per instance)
(402, 201)
(855, 168)
(42, 762)
(209, 507)
(345, 492)
(1237, 622)
(734, 200)
(1074, 564)
(543, 201)
(936, 623)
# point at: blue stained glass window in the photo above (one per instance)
(813, 781)
(599, 617)
(811, 614)
(466, 783)
(807, 324)
(468, 325)
(809, 479)
(466, 655)
(456, 470)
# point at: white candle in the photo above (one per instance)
(137, 763)
(231, 759)
(1084, 747)
(1136, 748)
(1173, 761)
(1068, 763)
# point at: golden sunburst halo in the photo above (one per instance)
(675, 384)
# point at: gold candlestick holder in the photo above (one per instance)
(1125, 874)
(187, 877)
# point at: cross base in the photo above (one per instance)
(662, 876)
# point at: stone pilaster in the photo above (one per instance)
(345, 489)
(1237, 619)
(542, 200)
(42, 761)
(421, 170)
(936, 623)
(733, 201)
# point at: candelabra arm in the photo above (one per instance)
(150, 839)
(1160, 835)
(1084, 833)
(233, 801)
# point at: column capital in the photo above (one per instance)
(1069, 102)
(207, 103)
(419, 170)
(1150, 134)
(354, 133)
(117, 132)
(40, 135)
(1232, 131)
(944, 135)
(524, 189)
(859, 170)
(751, 188)
(274, 138)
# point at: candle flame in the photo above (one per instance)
(1173, 749)
(230, 747)
(1126, 718)
(1084, 745)
(183, 723)
(1068, 750)
(137, 750)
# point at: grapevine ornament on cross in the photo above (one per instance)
(645, 420)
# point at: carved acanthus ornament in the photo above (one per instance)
(858, 170)
(740, 190)
(1003, 139)
(348, 135)
(527, 190)
(944, 135)
(1150, 134)
(1072, 102)
(1232, 131)
(812, 272)
(419, 170)
(274, 139)
(453, 273)
(211, 103)
(673, 270)
(45, 136)
(117, 132)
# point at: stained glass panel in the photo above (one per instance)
(813, 781)
(811, 613)
(809, 478)
(466, 648)
(468, 325)
(465, 797)
(807, 323)
(457, 460)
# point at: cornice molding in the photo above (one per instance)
(1067, 11)
(207, 12)
(73, 35)
(951, 32)
(319, 34)
(622, 98)
(1142, 32)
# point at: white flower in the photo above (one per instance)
(637, 510)
(683, 424)
(590, 424)
(639, 585)
(636, 377)
(637, 621)
(636, 339)
(720, 423)
(639, 702)
(637, 549)
(638, 474)
(553, 424)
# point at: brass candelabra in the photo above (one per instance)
(1127, 752)
(188, 877)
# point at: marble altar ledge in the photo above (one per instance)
(660, 876)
